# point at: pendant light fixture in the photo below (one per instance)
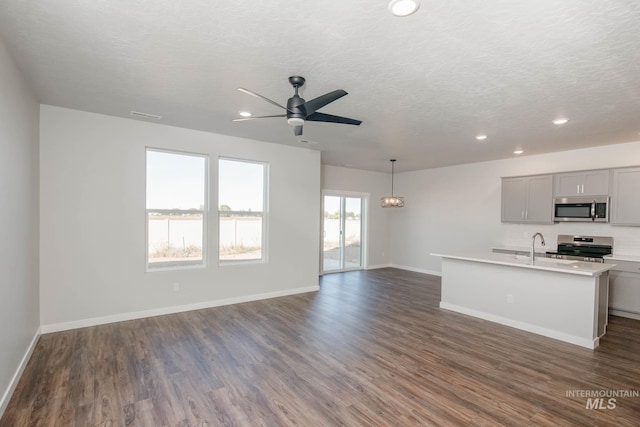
(392, 201)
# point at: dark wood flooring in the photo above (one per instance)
(371, 348)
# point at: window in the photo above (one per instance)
(241, 210)
(176, 209)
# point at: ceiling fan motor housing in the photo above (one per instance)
(296, 113)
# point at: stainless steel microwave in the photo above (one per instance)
(587, 209)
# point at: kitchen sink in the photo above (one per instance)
(551, 261)
(540, 260)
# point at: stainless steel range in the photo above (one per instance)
(582, 248)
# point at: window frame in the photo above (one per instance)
(264, 214)
(180, 265)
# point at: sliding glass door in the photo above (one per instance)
(343, 221)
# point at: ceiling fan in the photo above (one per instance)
(298, 110)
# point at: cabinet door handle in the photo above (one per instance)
(526, 214)
(578, 189)
(582, 188)
(522, 215)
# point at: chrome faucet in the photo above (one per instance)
(533, 246)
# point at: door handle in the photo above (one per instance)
(593, 210)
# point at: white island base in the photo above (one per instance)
(565, 302)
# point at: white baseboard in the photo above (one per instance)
(16, 376)
(375, 267)
(551, 333)
(624, 314)
(83, 323)
(417, 270)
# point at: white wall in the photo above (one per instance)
(457, 208)
(374, 184)
(93, 220)
(19, 316)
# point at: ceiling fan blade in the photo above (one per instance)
(257, 117)
(321, 117)
(248, 92)
(297, 131)
(319, 102)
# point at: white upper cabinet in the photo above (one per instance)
(514, 199)
(528, 199)
(625, 197)
(585, 183)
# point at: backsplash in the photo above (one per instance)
(626, 240)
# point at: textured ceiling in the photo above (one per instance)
(424, 86)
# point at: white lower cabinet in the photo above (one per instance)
(624, 288)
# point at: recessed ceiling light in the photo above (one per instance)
(403, 7)
(560, 121)
(245, 114)
(518, 151)
(306, 141)
(481, 137)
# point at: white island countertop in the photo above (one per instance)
(593, 269)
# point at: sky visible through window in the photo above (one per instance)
(175, 181)
(241, 185)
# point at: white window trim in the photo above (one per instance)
(265, 215)
(180, 265)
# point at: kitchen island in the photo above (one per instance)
(565, 300)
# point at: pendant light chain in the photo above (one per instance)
(393, 162)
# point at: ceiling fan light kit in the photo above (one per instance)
(392, 201)
(298, 110)
(402, 8)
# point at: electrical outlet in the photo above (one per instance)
(176, 287)
(510, 299)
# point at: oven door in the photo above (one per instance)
(567, 209)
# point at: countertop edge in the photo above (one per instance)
(509, 263)
(622, 257)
